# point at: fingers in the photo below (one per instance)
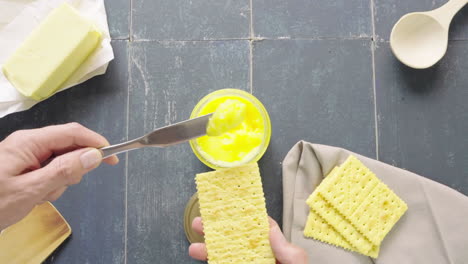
(112, 160)
(56, 138)
(198, 251)
(197, 225)
(64, 170)
(54, 195)
(44, 142)
(285, 252)
(278, 241)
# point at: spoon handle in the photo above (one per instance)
(445, 13)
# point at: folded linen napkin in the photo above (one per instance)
(434, 230)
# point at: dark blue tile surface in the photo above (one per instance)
(423, 115)
(190, 20)
(315, 90)
(167, 80)
(118, 18)
(312, 19)
(95, 207)
(388, 12)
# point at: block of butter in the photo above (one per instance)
(51, 53)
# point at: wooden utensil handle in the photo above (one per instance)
(445, 13)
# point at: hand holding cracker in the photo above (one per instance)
(285, 252)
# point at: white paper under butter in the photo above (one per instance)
(14, 28)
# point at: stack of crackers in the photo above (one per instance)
(235, 220)
(353, 209)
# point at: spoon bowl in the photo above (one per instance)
(419, 40)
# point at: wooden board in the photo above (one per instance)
(35, 237)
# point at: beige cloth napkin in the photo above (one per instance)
(434, 230)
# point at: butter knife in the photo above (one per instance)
(163, 137)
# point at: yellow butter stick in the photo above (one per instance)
(51, 53)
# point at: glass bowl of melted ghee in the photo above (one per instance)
(244, 144)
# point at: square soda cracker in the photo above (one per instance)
(317, 228)
(235, 220)
(367, 203)
(320, 207)
(214, 199)
(376, 216)
(340, 224)
(327, 178)
(349, 186)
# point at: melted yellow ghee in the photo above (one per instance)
(228, 115)
(240, 142)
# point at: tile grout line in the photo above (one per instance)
(130, 24)
(130, 39)
(251, 65)
(247, 38)
(450, 40)
(126, 210)
(251, 48)
(268, 39)
(251, 20)
(373, 47)
(126, 155)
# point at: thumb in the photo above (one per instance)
(285, 252)
(65, 170)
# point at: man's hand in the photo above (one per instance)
(37, 165)
(285, 252)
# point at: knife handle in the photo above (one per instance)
(119, 148)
